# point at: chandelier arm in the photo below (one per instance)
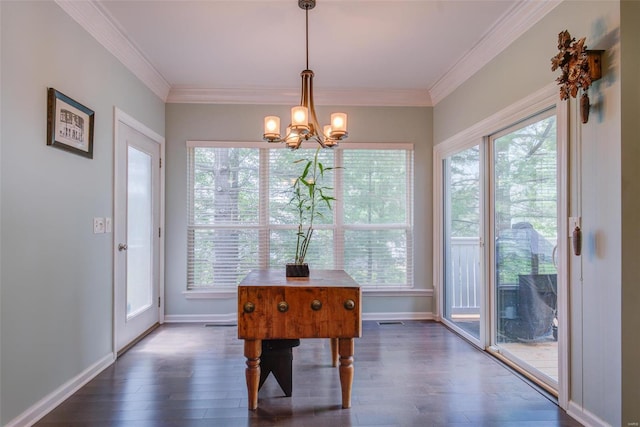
(317, 130)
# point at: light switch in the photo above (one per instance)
(108, 228)
(98, 225)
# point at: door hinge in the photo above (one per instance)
(159, 232)
(160, 162)
(158, 302)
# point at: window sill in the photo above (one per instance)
(397, 292)
(211, 294)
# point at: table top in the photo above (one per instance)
(321, 278)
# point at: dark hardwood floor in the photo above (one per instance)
(414, 374)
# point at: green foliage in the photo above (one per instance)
(525, 182)
(309, 192)
(524, 193)
(375, 188)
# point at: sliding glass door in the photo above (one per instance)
(498, 245)
(525, 234)
(463, 272)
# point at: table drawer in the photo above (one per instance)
(279, 312)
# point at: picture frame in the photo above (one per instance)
(69, 124)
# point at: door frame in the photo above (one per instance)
(475, 134)
(121, 118)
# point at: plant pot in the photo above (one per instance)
(298, 270)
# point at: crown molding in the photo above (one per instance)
(512, 25)
(90, 17)
(288, 96)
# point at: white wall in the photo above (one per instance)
(244, 123)
(596, 190)
(56, 275)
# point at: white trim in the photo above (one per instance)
(96, 22)
(397, 292)
(55, 398)
(211, 294)
(226, 144)
(438, 228)
(564, 318)
(291, 96)
(375, 146)
(137, 125)
(1, 234)
(216, 319)
(585, 417)
(512, 25)
(532, 104)
(424, 315)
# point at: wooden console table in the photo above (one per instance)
(325, 305)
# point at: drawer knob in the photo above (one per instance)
(316, 305)
(249, 307)
(349, 304)
(283, 306)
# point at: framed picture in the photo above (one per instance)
(69, 124)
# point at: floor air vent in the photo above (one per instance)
(390, 322)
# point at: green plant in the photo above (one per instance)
(309, 193)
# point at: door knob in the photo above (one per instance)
(122, 247)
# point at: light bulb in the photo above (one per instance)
(271, 128)
(339, 122)
(299, 116)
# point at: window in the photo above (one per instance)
(240, 218)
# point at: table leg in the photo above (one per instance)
(346, 348)
(252, 351)
(334, 351)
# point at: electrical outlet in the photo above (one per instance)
(98, 225)
(108, 227)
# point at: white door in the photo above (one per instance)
(137, 230)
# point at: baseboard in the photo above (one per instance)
(232, 318)
(585, 417)
(48, 403)
(217, 319)
(398, 316)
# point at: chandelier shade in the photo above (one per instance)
(304, 121)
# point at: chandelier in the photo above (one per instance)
(304, 123)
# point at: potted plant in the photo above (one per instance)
(309, 193)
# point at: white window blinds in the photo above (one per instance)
(240, 217)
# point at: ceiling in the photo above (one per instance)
(363, 52)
